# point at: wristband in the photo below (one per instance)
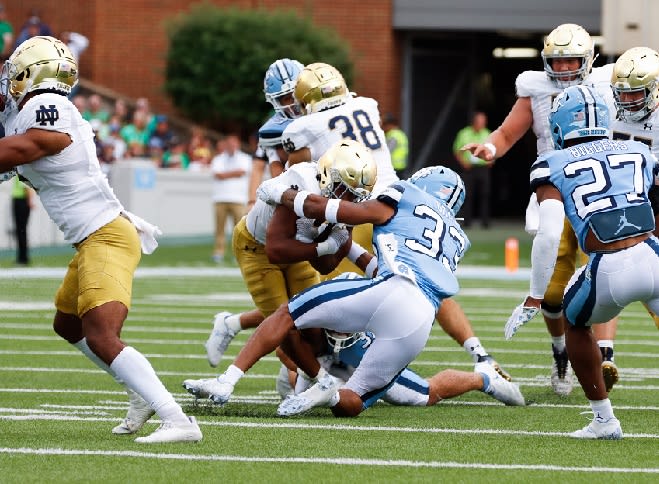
(355, 252)
(298, 203)
(370, 268)
(492, 148)
(325, 248)
(331, 209)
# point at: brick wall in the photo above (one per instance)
(128, 43)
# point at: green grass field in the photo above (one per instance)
(57, 409)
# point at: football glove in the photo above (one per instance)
(520, 316)
(336, 239)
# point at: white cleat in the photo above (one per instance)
(283, 384)
(498, 387)
(561, 373)
(139, 411)
(220, 390)
(318, 395)
(199, 388)
(173, 432)
(601, 429)
(219, 339)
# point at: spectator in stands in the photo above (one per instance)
(161, 139)
(32, 27)
(136, 134)
(114, 147)
(76, 42)
(177, 155)
(22, 201)
(121, 111)
(200, 148)
(6, 35)
(231, 178)
(96, 109)
(80, 102)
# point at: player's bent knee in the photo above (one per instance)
(350, 404)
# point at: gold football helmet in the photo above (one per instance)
(38, 63)
(635, 83)
(348, 164)
(571, 41)
(320, 86)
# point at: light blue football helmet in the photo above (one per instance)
(443, 183)
(279, 84)
(578, 112)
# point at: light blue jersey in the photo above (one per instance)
(604, 186)
(270, 133)
(422, 242)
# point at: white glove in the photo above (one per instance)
(520, 316)
(271, 191)
(7, 175)
(306, 230)
(337, 237)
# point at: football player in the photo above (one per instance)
(568, 56)
(296, 246)
(278, 86)
(53, 150)
(331, 113)
(602, 186)
(419, 244)
(340, 354)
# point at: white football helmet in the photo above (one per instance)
(566, 41)
(636, 74)
(348, 164)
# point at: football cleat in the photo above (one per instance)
(219, 339)
(490, 360)
(561, 373)
(609, 369)
(139, 411)
(318, 395)
(173, 432)
(499, 388)
(199, 388)
(599, 428)
(283, 384)
(220, 390)
(520, 316)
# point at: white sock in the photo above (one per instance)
(602, 408)
(474, 348)
(605, 343)
(558, 342)
(233, 322)
(233, 374)
(138, 374)
(87, 351)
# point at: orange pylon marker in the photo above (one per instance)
(512, 254)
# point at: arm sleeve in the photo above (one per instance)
(545, 246)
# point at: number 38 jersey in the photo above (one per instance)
(358, 119)
(604, 185)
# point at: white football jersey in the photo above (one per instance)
(358, 119)
(73, 190)
(542, 91)
(301, 175)
(646, 131)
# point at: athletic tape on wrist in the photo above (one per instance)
(331, 210)
(355, 252)
(370, 268)
(298, 203)
(492, 148)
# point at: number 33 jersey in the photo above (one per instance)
(358, 119)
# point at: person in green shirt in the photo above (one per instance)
(21, 204)
(476, 172)
(397, 143)
(6, 35)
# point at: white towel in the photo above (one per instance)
(147, 232)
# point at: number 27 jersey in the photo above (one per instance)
(358, 119)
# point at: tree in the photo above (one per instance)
(217, 59)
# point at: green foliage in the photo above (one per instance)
(217, 59)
